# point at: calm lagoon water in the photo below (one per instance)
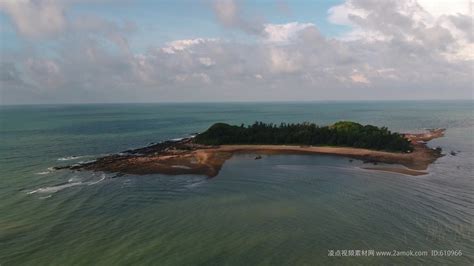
(281, 210)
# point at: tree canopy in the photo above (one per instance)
(343, 133)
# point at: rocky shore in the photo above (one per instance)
(186, 157)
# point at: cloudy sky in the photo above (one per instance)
(73, 51)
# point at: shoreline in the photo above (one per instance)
(398, 170)
(185, 157)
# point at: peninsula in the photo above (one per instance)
(205, 153)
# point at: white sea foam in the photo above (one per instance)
(54, 189)
(43, 173)
(48, 171)
(196, 184)
(84, 162)
(70, 158)
(73, 181)
(98, 181)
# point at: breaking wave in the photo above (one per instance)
(48, 171)
(54, 189)
(72, 182)
(70, 158)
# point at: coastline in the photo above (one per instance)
(398, 170)
(185, 157)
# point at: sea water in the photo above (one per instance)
(280, 210)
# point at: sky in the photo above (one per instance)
(104, 51)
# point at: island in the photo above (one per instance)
(206, 152)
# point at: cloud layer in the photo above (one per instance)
(394, 50)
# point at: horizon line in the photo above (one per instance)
(237, 101)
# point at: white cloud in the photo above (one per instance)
(340, 14)
(36, 18)
(206, 61)
(389, 73)
(437, 25)
(396, 49)
(229, 14)
(227, 11)
(359, 78)
(44, 73)
(283, 62)
(439, 8)
(181, 45)
(193, 77)
(284, 32)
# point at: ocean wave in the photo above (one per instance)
(54, 189)
(196, 184)
(48, 171)
(70, 158)
(127, 153)
(43, 173)
(74, 179)
(72, 182)
(188, 137)
(98, 181)
(85, 162)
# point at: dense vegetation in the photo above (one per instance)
(342, 133)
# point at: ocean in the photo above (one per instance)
(280, 210)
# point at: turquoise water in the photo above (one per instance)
(281, 210)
